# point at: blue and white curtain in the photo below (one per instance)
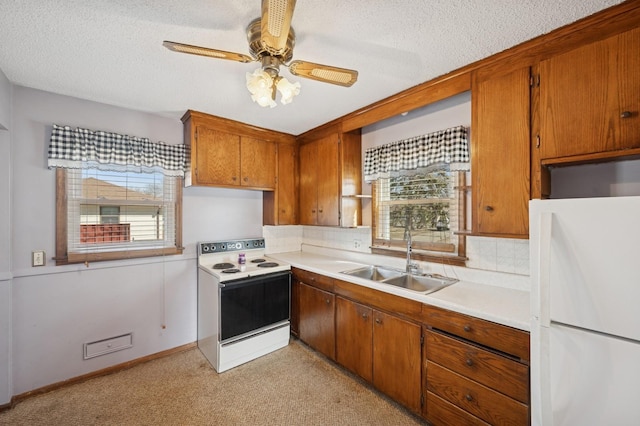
(82, 148)
(449, 146)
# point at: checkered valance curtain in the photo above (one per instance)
(82, 148)
(449, 146)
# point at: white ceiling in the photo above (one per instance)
(111, 51)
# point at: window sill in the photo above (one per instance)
(116, 255)
(420, 255)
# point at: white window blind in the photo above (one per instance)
(115, 211)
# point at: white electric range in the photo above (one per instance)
(244, 301)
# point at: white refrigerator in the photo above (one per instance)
(585, 311)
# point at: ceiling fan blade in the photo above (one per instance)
(205, 51)
(275, 24)
(324, 73)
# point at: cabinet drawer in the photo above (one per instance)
(316, 280)
(479, 400)
(505, 339)
(495, 371)
(443, 413)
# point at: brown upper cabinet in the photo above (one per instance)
(590, 98)
(225, 153)
(500, 154)
(330, 178)
(229, 154)
(280, 207)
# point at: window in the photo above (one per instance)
(424, 204)
(113, 211)
(108, 214)
(419, 193)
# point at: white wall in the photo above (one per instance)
(55, 309)
(611, 179)
(5, 239)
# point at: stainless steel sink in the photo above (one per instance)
(419, 283)
(374, 273)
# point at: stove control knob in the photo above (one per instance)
(205, 248)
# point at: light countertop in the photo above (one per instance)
(507, 306)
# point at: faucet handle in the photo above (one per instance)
(413, 268)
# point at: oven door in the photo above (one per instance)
(253, 304)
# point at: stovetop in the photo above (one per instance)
(223, 259)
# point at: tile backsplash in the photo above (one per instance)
(485, 253)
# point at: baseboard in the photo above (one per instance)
(104, 372)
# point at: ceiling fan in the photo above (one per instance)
(271, 40)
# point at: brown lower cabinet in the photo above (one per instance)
(475, 371)
(381, 348)
(450, 368)
(316, 318)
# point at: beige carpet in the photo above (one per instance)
(292, 386)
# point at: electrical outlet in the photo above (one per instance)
(37, 258)
(357, 243)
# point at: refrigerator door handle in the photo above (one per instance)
(544, 267)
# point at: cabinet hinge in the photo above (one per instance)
(196, 136)
(422, 340)
(421, 400)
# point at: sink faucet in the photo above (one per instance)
(412, 267)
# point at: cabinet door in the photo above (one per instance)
(397, 358)
(584, 95)
(328, 181)
(500, 154)
(286, 186)
(308, 197)
(317, 319)
(217, 157)
(258, 163)
(354, 337)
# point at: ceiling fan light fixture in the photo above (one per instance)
(263, 87)
(271, 39)
(260, 85)
(287, 90)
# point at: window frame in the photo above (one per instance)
(423, 251)
(63, 257)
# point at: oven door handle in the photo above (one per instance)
(221, 285)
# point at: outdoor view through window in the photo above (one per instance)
(421, 203)
(109, 209)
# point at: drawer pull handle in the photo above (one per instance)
(469, 362)
(378, 321)
(468, 397)
(328, 301)
(467, 328)
(364, 316)
(625, 114)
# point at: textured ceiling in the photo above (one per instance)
(111, 51)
